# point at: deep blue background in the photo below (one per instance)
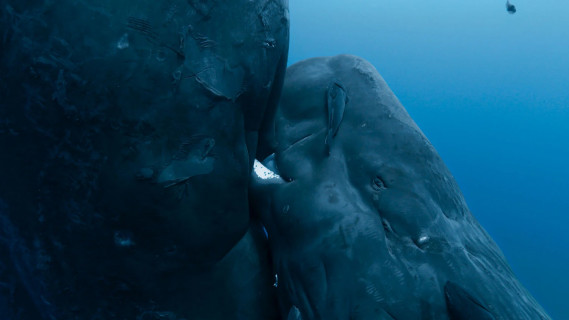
(491, 92)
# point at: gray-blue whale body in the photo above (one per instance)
(367, 222)
(128, 130)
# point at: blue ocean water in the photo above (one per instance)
(491, 92)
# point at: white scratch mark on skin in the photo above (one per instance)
(263, 172)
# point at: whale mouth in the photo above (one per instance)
(304, 139)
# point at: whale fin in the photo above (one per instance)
(463, 306)
(337, 99)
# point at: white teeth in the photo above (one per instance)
(263, 172)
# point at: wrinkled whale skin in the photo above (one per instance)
(128, 130)
(371, 224)
(462, 306)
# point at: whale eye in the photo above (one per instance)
(377, 184)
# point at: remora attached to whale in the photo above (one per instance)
(364, 219)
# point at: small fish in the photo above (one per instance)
(510, 7)
(337, 100)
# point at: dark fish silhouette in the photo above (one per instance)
(337, 100)
(510, 7)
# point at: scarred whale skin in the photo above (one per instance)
(128, 129)
(371, 224)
